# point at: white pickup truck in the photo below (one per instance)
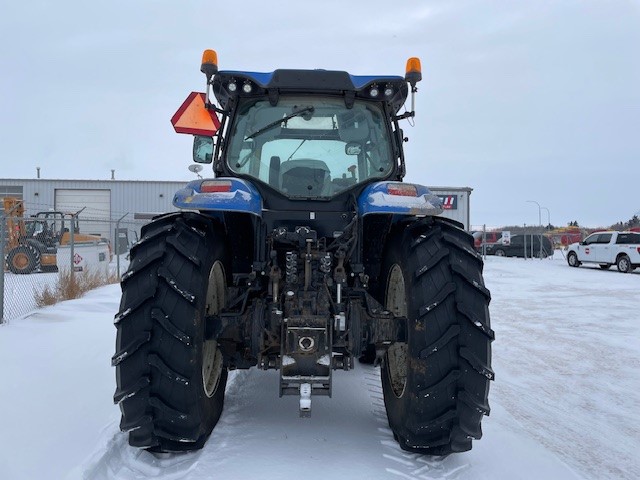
(606, 249)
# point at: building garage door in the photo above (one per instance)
(95, 217)
(14, 191)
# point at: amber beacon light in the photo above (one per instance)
(209, 63)
(209, 67)
(414, 71)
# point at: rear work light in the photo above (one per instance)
(403, 190)
(214, 186)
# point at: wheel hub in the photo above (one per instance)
(211, 367)
(624, 264)
(21, 261)
(398, 353)
(212, 364)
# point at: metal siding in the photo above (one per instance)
(95, 205)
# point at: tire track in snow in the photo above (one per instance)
(259, 434)
(121, 462)
(118, 461)
(402, 464)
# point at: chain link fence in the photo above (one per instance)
(43, 253)
(524, 241)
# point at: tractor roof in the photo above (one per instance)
(310, 82)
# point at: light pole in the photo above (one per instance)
(539, 211)
(540, 224)
(548, 216)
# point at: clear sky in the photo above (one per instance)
(536, 100)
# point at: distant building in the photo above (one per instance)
(456, 202)
(103, 202)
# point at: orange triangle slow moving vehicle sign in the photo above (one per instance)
(193, 118)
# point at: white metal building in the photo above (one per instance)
(456, 201)
(104, 202)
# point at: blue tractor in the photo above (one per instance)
(305, 252)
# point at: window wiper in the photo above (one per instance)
(297, 148)
(269, 126)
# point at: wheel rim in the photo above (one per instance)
(572, 259)
(398, 354)
(623, 263)
(211, 355)
(500, 253)
(20, 261)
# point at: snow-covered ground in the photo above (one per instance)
(565, 403)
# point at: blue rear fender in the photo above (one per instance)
(398, 198)
(222, 194)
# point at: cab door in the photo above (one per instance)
(586, 250)
(603, 251)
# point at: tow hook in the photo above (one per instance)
(305, 400)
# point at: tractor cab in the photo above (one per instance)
(51, 226)
(300, 134)
(309, 147)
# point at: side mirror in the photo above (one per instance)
(353, 148)
(202, 149)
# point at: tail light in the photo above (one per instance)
(215, 186)
(402, 189)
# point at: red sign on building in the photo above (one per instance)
(449, 202)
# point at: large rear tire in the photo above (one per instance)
(436, 385)
(170, 376)
(23, 259)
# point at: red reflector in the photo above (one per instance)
(215, 186)
(638, 248)
(402, 190)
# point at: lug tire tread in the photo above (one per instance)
(450, 337)
(159, 327)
